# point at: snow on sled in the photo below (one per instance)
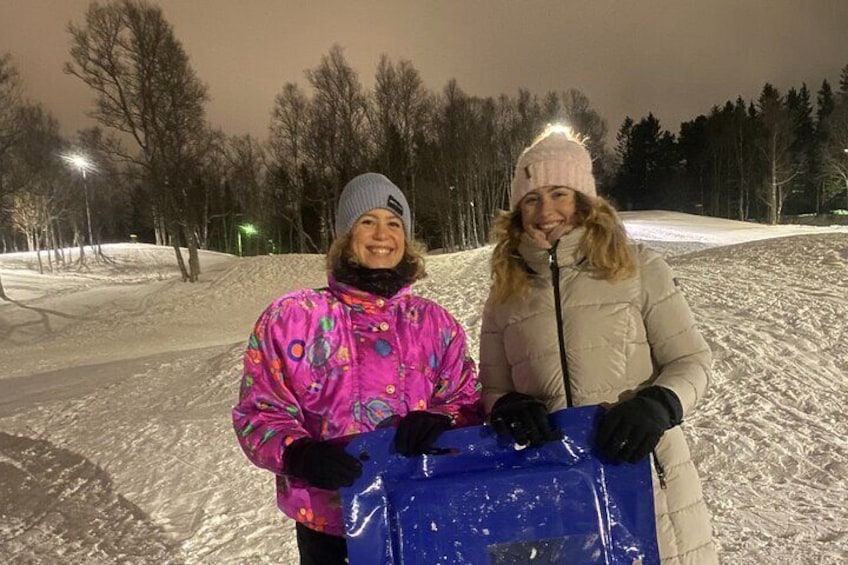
(479, 500)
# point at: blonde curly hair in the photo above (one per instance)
(604, 243)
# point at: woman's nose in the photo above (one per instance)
(545, 206)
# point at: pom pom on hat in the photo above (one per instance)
(366, 192)
(557, 158)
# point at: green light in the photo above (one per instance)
(248, 229)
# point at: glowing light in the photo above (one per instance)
(79, 161)
(248, 229)
(562, 129)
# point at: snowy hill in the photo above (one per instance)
(115, 436)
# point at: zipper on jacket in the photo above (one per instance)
(660, 469)
(560, 330)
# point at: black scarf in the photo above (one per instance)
(382, 282)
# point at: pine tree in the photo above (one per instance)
(801, 190)
(843, 82)
(649, 165)
(833, 131)
(693, 152)
(624, 177)
(825, 104)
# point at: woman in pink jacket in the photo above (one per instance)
(363, 352)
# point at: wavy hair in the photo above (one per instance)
(604, 244)
(340, 252)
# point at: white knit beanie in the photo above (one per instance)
(366, 192)
(554, 160)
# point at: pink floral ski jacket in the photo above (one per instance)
(337, 361)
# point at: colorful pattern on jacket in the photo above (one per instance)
(337, 361)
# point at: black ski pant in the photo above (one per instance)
(318, 548)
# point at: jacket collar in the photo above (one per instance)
(360, 300)
(568, 253)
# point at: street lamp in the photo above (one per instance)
(83, 165)
(248, 230)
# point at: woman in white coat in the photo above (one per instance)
(579, 315)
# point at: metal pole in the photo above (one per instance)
(846, 178)
(87, 209)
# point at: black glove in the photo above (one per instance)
(523, 418)
(630, 430)
(321, 464)
(418, 431)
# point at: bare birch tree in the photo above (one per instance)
(400, 116)
(9, 130)
(37, 179)
(777, 135)
(145, 88)
(289, 130)
(338, 144)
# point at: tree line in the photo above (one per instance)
(755, 160)
(161, 171)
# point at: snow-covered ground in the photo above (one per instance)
(117, 381)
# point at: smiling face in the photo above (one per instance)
(378, 240)
(548, 213)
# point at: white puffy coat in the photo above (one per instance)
(619, 336)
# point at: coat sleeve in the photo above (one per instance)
(495, 370)
(457, 393)
(681, 354)
(268, 417)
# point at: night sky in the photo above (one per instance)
(673, 58)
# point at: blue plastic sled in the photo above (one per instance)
(481, 501)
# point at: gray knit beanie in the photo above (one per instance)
(366, 192)
(554, 160)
